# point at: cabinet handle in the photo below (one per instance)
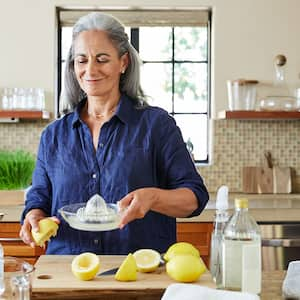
(11, 240)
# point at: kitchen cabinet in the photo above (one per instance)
(198, 234)
(14, 246)
(24, 114)
(259, 115)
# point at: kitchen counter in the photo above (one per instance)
(53, 280)
(263, 207)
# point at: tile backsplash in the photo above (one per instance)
(236, 143)
(239, 143)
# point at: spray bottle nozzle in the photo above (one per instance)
(222, 198)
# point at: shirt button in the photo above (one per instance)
(96, 242)
(94, 175)
(101, 145)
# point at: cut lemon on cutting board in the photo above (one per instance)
(47, 229)
(185, 268)
(127, 270)
(181, 248)
(85, 266)
(147, 260)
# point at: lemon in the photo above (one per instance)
(85, 266)
(185, 268)
(181, 248)
(147, 260)
(47, 229)
(127, 270)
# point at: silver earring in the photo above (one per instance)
(123, 71)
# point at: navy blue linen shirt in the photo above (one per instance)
(137, 148)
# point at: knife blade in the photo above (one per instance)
(112, 271)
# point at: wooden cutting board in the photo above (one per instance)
(265, 180)
(53, 279)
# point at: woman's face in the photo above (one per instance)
(97, 64)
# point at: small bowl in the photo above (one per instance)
(109, 221)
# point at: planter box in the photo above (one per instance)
(13, 197)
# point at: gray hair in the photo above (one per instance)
(129, 81)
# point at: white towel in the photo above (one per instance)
(184, 291)
(291, 282)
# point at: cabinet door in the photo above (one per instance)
(198, 234)
(14, 246)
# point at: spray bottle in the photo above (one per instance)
(221, 218)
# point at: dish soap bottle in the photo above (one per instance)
(221, 218)
(242, 251)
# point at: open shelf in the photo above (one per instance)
(258, 115)
(24, 114)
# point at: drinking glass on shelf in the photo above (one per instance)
(5, 99)
(40, 99)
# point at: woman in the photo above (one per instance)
(110, 142)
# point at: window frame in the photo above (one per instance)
(134, 37)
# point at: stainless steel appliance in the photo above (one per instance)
(280, 244)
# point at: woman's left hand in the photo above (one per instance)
(136, 204)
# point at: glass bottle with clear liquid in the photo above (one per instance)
(241, 251)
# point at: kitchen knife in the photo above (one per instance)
(112, 271)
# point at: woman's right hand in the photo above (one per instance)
(31, 223)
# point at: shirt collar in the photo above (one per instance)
(76, 117)
(123, 112)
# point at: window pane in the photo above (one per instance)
(154, 77)
(194, 131)
(155, 43)
(190, 87)
(66, 39)
(190, 43)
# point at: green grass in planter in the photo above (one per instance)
(16, 169)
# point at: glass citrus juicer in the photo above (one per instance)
(94, 215)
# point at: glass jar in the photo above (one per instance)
(241, 94)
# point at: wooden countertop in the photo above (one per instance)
(61, 284)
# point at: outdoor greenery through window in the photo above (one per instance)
(175, 74)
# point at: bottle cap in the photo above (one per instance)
(241, 203)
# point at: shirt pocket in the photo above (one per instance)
(129, 169)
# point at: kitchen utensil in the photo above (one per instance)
(107, 221)
(241, 94)
(112, 271)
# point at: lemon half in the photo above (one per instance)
(47, 229)
(181, 248)
(127, 270)
(147, 260)
(85, 266)
(185, 268)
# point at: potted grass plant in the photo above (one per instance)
(16, 169)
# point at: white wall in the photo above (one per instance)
(247, 35)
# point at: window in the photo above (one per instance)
(175, 50)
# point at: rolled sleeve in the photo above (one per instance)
(177, 167)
